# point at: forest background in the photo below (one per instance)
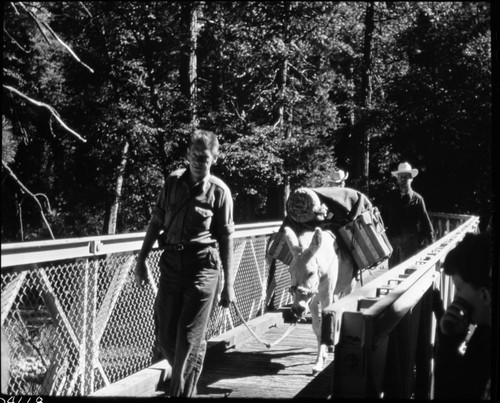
(99, 99)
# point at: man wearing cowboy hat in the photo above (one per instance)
(339, 177)
(405, 216)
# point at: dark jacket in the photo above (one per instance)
(406, 215)
(465, 376)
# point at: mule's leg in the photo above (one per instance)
(316, 324)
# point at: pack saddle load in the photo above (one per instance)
(347, 213)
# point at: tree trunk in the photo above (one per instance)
(193, 88)
(188, 65)
(286, 132)
(113, 215)
(284, 118)
(20, 215)
(366, 93)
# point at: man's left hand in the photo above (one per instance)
(227, 296)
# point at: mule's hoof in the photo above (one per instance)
(315, 371)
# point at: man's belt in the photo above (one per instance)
(177, 247)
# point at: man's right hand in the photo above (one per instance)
(141, 272)
(456, 319)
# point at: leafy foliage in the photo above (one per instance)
(280, 82)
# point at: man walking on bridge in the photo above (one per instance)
(193, 214)
(405, 216)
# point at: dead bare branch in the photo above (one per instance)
(85, 8)
(25, 137)
(46, 199)
(66, 46)
(50, 108)
(37, 22)
(241, 116)
(14, 7)
(51, 130)
(26, 190)
(13, 40)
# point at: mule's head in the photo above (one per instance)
(304, 269)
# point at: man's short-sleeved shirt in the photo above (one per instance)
(202, 213)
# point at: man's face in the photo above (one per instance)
(478, 298)
(404, 181)
(200, 160)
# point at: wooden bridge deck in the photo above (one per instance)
(251, 370)
(284, 371)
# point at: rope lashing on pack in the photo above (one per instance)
(260, 340)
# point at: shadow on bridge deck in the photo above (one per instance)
(284, 371)
(250, 370)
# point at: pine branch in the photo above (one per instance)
(25, 189)
(50, 108)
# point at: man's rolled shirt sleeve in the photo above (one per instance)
(223, 223)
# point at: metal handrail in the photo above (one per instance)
(85, 285)
(425, 260)
(89, 323)
(24, 253)
(364, 321)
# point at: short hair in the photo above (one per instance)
(471, 260)
(207, 138)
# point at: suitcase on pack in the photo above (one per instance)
(365, 238)
(279, 249)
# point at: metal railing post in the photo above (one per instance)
(82, 322)
(90, 349)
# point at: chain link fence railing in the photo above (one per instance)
(76, 321)
(81, 323)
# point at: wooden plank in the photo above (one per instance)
(240, 334)
(320, 387)
(251, 370)
(137, 384)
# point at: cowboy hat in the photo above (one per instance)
(339, 176)
(405, 168)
